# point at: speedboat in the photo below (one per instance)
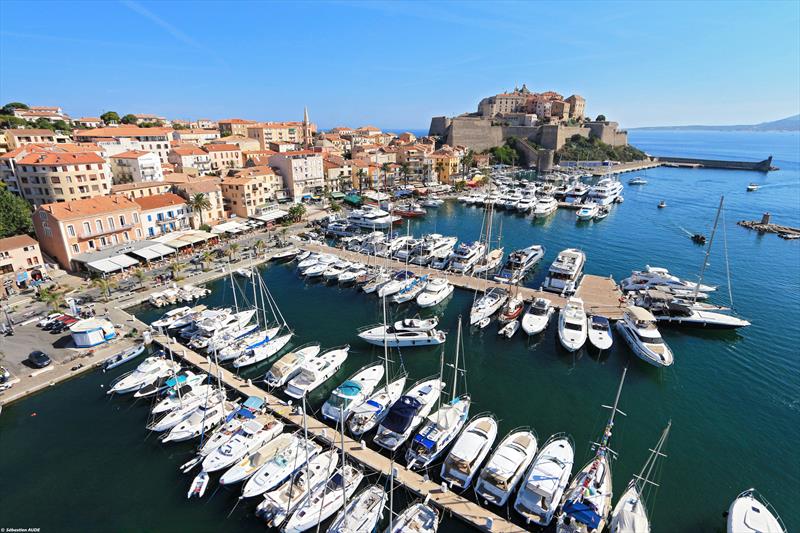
(751, 513)
(489, 262)
(662, 204)
(286, 255)
(638, 328)
(326, 500)
(506, 466)
(396, 284)
(752, 187)
(418, 518)
(438, 431)
(469, 451)
(600, 332)
(602, 213)
(519, 263)
(253, 461)
(351, 274)
(431, 202)
(401, 338)
(436, 291)
(352, 393)
(146, 373)
(333, 271)
(171, 316)
(202, 419)
(430, 246)
(317, 371)
(263, 352)
(466, 255)
(280, 503)
(588, 211)
(509, 329)
(545, 481)
(407, 413)
(572, 327)
(123, 357)
(362, 513)
(409, 210)
(537, 316)
(440, 259)
(280, 467)
(290, 364)
(488, 304)
(667, 309)
(652, 277)
(252, 435)
(370, 413)
(565, 272)
(411, 290)
(606, 191)
(416, 324)
(637, 181)
(545, 206)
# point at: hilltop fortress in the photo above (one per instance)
(546, 119)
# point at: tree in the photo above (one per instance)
(140, 276)
(109, 116)
(259, 246)
(204, 227)
(296, 212)
(233, 249)
(53, 297)
(335, 207)
(199, 202)
(385, 169)
(468, 160)
(15, 215)
(360, 175)
(105, 285)
(9, 108)
(600, 118)
(405, 170)
(176, 268)
(459, 186)
(129, 119)
(206, 258)
(10, 121)
(439, 170)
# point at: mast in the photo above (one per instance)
(441, 374)
(708, 251)
(233, 288)
(603, 445)
(455, 365)
(647, 468)
(385, 347)
(344, 464)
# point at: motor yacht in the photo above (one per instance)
(657, 277)
(600, 332)
(326, 500)
(545, 481)
(469, 451)
(148, 371)
(290, 364)
(333, 271)
(588, 211)
(352, 393)
(576, 194)
(519, 263)
(536, 318)
(370, 413)
(438, 431)
(565, 272)
(362, 513)
(667, 309)
(317, 371)
(394, 338)
(751, 513)
(506, 466)
(526, 203)
(280, 467)
(489, 262)
(545, 206)
(418, 518)
(572, 326)
(407, 413)
(202, 419)
(436, 291)
(638, 328)
(371, 218)
(252, 435)
(488, 304)
(253, 461)
(432, 244)
(406, 250)
(171, 316)
(466, 255)
(606, 191)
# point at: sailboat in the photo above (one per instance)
(279, 467)
(419, 518)
(587, 501)
(490, 260)
(630, 513)
(363, 512)
(252, 435)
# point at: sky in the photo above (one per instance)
(396, 64)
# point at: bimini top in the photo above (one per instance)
(641, 314)
(402, 414)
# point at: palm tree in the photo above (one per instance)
(176, 269)
(140, 276)
(53, 297)
(206, 258)
(199, 202)
(405, 170)
(105, 285)
(259, 246)
(439, 170)
(296, 212)
(385, 169)
(360, 175)
(233, 248)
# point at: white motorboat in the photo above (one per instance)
(334, 270)
(371, 218)
(438, 431)
(263, 352)
(466, 256)
(351, 274)
(171, 316)
(407, 413)
(488, 304)
(545, 481)
(606, 191)
(316, 271)
(519, 263)
(370, 413)
(233, 348)
(396, 284)
(489, 262)
(280, 467)
(545, 206)
(667, 309)
(283, 501)
(411, 290)
(183, 398)
(536, 318)
(325, 500)
(123, 357)
(572, 325)
(252, 435)
(470, 449)
(352, 393)
(509, 329)
(577, 193)
(405, 248)
(565, 272)
(431, 202)
(286, 255)
(317, 371)
(290, 364)
(751, 513)
(588, 211)
(253, 461)
(416, 324)
(600, 332)
(202, 419)
(440, 260)
(252, 407)
(362, 513)
(377, 282)
(658, 277)
(526, 203)
(637, 180)
(244, 272)
(188, 320)
(307, 262)
(418, 518)
(199, 485)
(146, 373)
(394, 338)
(630, 513)
(506, 466)
(436, 291)
(638, 328)
(430, 246)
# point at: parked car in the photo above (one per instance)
(49, 318)
(39, 359)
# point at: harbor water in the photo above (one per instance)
(73, 459)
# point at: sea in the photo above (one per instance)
(74, 459)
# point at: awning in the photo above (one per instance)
(124, 261)
(271, 215)
(336, 195)
(106, 266)
(229, 227)
(154, 251)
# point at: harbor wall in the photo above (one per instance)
(760, 166)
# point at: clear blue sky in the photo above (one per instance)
(395, 65)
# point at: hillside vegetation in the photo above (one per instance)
(579, 148)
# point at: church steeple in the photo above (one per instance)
(306, 129)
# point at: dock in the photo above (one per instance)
(600, 294)
(449, 502)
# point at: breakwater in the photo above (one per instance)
(760, 166)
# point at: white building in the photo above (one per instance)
(163, 213)
(302, 172)
(136, 166)
(130, 138)
(190, 157)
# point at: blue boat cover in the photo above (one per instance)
(403, 192)
(601, 320)
(349, 388)
(254, 402)
(582, 513)
(428, 443)
(402, 413)
(174, 380)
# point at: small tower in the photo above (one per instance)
(306, 129)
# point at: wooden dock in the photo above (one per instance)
(600, 294)
(450, 502)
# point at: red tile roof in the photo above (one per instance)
(123, 131)
(54, 158)
(157, 201)
(89, 207)
(16, 242)
(221, 148)
(131, 154)
(188, 150)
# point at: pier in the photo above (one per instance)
(450, 502)
(600, 294)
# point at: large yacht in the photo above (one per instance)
(565, 272)
(605, 191)
(518, 264)
(638, 328)
(371, 218)
(576, 194)
(545, 206)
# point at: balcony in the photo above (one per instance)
(105, 231)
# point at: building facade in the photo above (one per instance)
(163, 213)
(210, 189)
(132, 137)
(224, 157)
(234, 126)
(190, 159)
(302, 172)
(136, 166)
(20, 256)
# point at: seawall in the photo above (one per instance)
(760, 166)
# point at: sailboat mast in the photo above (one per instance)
(441, 374)
(385, 347)
(344, 487)
(233, 288)
(647, 468)
(708, 251)
(616, 400)
(455, 365)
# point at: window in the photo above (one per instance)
(71, 230)
(76, 248)
(138, 233)
(99, 225)
(111, 223)
(125, 237)
(87, 228)
(122, 220)
(135, 218)
(91, 245)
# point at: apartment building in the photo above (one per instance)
(136, 166)
(49, 113)
(246, 195)
(224, 157)
(20, 137)
(141, 189)
(302, 171)
(88, 122)
(210, 189)
(184, 158)
(20, 256)
(163, 213)
(244, 143)
(198, 137)
(293, 132)
(67, 229)
(234, 126)
(444, 163)
(338, 174)
(131, 138)
(204, 124)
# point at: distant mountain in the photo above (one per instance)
(785, 124)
